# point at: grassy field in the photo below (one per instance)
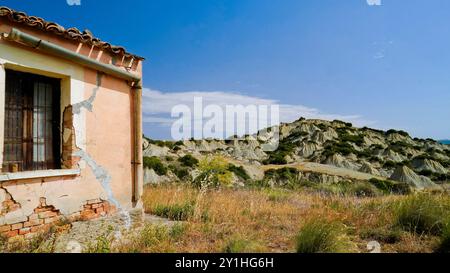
(274, 221)
(277, 220)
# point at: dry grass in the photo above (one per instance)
(269, 220)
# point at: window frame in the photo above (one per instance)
(28, 164)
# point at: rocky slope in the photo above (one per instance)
(330, 150)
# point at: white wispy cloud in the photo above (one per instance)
(157, 106)
(373, 2)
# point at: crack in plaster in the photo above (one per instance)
(100, 173)
(88, 104)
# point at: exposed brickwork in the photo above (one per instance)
(95, 209)
(45, 216)
(9, 205)
(69, 144)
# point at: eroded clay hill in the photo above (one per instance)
(319, 151)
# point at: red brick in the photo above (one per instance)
(50, 220)
(32, 223)
(16, 226)
(12, 233)
(24, 231)
(39, 210)
(47, 214)
(40, 228)
(5, 228)
(33, 217)
(88, 215)
(96, 206)
(95, 201)
(99, 210)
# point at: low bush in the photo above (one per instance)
(161, 143)
(176, 212)
(238, 245)
(343, 148)
(283, 175)
(390, 164)
(155, 164)
(277, 195)
(239, 172)
(188, 161)
(276, 159)
(214, 172)
(285, 148)
(151, 235)
(181, 173)
(392, 131)
(344, 188)
(391, 187)
(422, 214)
(364, 189)
(320, 236)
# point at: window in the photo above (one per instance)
(32, 118)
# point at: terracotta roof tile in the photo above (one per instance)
(71, 33)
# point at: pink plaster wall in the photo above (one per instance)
(109, 132)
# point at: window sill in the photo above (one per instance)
(37, 174)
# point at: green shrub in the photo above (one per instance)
(239, 246)
(391, 187)
(161, 143)
(285, 148)
(357, 139)
(176, 212)
(365, 154)
(343, 188)
(373, 130)
(392, 131)
(343, 148)
(181, 173)
(213, 173)
(152, 235)
(347, 124)
(427, 173)
(422, 214)
(282, 174)
(375, 147)
(276, 159)
(188, 161)
(320, 236)
(177, 231)
(364, 190)
(179, 143)
(277, 195)
(103, 243)
(155, 164)
(390, 164)
(239, 172)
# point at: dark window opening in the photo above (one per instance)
(32, 118)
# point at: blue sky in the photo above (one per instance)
(385, 66)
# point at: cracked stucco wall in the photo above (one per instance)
(99, 103)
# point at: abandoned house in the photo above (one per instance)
(70, 125)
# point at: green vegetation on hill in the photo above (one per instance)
(155, 164)
(188, 161)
